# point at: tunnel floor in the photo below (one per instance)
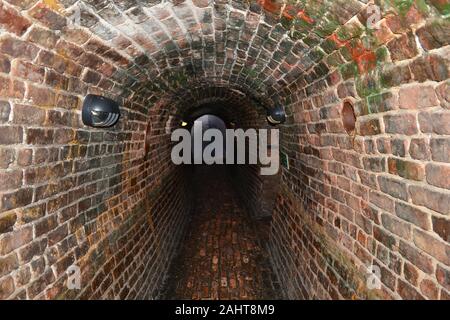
(222, 256)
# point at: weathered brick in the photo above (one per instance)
(434, 200)
(419, 149)
(16, 199)
(415, 97)
(440, 149)
(11, 20)
(5, 110)
(369, 127)
(414, 215)
(35, 248)
(24, 157)
(14, 240)
(5, 64)
(443, 276)
(401, 124)
(441, 226)
(406, 169)
(438, 175)
(11, 88)
(429, 289)
(393, 187)
(436, 248)
(439, 122)
(27, 71)
(7, 221)
(47, 16)
(10, 180)
(8, 264)
(41, 96)
(6, 287)
(10, 135)
(43, 37)
(434, 35)
(26, 215)
(403, 47)
(18, 48)
(396, 226)
(411, 273)
(430, 67)
(7, 157)
(39, 136)
(28, 115)
(416, 257)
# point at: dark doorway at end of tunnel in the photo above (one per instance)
(222, 256)
(207, 121)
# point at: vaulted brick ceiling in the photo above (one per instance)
(165, 46)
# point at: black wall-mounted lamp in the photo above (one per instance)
(99, 111)
(276, 115)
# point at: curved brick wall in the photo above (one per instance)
(70, 194)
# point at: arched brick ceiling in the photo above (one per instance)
(260, 46)
(268, 49)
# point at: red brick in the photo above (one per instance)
(48, 17)
(438, 175)
(369, 127)
(43, 37)
(406, 169)
(41, 96)
(394, 187)
(408, 292)
(434, 200)
(10, 135)
(10, 180)
(24, 114)
(436, 248)
(419, 149)
(18, 48)
(441, 226)
(7, 221)
(416, 97)
(440, 149)
(11, 88)
(6, 287)
(11, 20)
(5, 111)
(16, 199)
(27, 71)
(14, 240)
(434, 35)
(403, 47)
(414, 215)
(5, 64)
(401, 123)
(411, 273)
(443, 276)
(416, 257)
(430, 67)
(8, 264)
(429, 289)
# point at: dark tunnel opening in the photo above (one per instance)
(224, 252)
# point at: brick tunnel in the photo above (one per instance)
(363, 188)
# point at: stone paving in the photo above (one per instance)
(222, 256)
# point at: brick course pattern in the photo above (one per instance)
(223, 257)
(70, 194)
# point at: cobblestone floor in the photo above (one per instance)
(222, 257)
